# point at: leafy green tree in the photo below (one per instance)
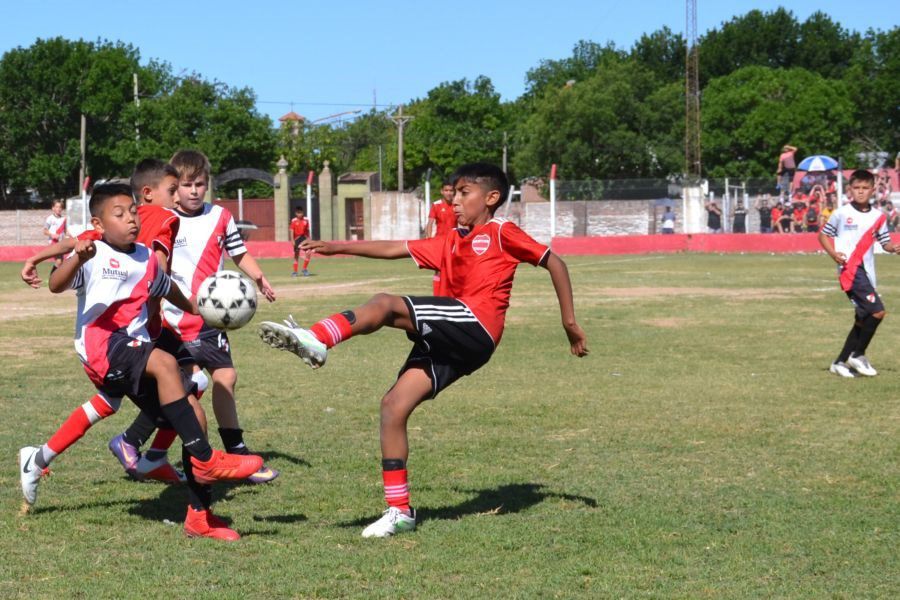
(663, 53)
(749, 114)
(44, 89)
(612, 124)
(872, 80)
(586, 57)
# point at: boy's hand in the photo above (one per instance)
(840, 258)
(85, 250)
(30, 274)
(577, 339)
(263, 284)
(323, 248)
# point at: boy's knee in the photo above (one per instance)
(226, 377)
(880, 314)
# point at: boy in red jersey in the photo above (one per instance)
(441, 221)
(116, 278)
(454, 333)
(206, 234)
(849, 238)
(299, 232)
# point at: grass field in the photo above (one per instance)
(701, 450)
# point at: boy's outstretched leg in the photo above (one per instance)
(412, 387)
(200, 521)
(311, 345)
(34, 460)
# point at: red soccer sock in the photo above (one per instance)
(396, 489)
(163, 440)
(305, 264)
(333, 330)
(78, 423)
(295, 266)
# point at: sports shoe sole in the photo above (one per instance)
(277, 336)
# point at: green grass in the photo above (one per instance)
(701, 450)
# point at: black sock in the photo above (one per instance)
(850, 344)
(392, 464)
(199, 495)
(866, 332)
(233, 440)
(140, 430)
(183, 420)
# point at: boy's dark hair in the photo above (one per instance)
(491, 177)
(447, 181)
(191, 164)
(862, 175)
(104, 191)
(300, 208)
(149, 172)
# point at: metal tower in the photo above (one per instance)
(692, 96)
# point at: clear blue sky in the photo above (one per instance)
(328, 56)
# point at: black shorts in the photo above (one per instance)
(449, 343)
(297, 241)
(127, 359)
(147, 398)
(211, 350)
(863, 296)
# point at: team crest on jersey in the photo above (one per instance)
(113, 263)
(481, 243)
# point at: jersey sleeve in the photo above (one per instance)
(164, 239)
(830, 228)
(883, 234)
(234, 243)
(520, 245)
(427, 253)
(161, 283)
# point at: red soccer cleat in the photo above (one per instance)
(202, 523)
(222, 467)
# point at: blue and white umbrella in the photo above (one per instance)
(817, 162)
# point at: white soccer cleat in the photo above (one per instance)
(862, 365)
(839, 368)
(294, 339)
(29, 473)
(392, 521)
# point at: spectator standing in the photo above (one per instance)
(765, 213)
(776, 218)
(714, 217)
(786, 218)
(668, 220)
(787, 166)
(740, 218)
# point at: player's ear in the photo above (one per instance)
(492, 198)
(147, 194)
(97, 224)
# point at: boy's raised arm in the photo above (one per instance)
(61, 278)
(559, 275)
(388, 249)
(29, 269)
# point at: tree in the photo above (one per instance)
(553, 74)
(44, 89)
(663, 53)
(749, 114)
(612, 124)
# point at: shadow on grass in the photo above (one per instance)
(276, 455)
(505, 499)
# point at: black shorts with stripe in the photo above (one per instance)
(863, 296)
(297, 241)
(449, 340)
(211, 350)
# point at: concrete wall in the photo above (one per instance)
(394, 216)
(23, 227)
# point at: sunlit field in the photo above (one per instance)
(701, 450)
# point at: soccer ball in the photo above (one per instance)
(227, 300)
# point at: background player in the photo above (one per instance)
(299, 233)
(849, 237)
(55, 227)
(454, 333)
(441, 221)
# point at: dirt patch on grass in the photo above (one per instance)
(667, 322)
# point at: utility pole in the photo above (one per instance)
(400, 120)
(504, 151)
(137, 104)
(692, 150)
(81, 172)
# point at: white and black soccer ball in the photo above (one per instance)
(227, 300)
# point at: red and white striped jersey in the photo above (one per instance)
(114, 289)
(855, 232)
(200, 247)
(56, 226)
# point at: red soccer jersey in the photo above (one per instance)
(299, 227)
(443, 216)
(478, 268)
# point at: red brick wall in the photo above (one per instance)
(259, 211)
